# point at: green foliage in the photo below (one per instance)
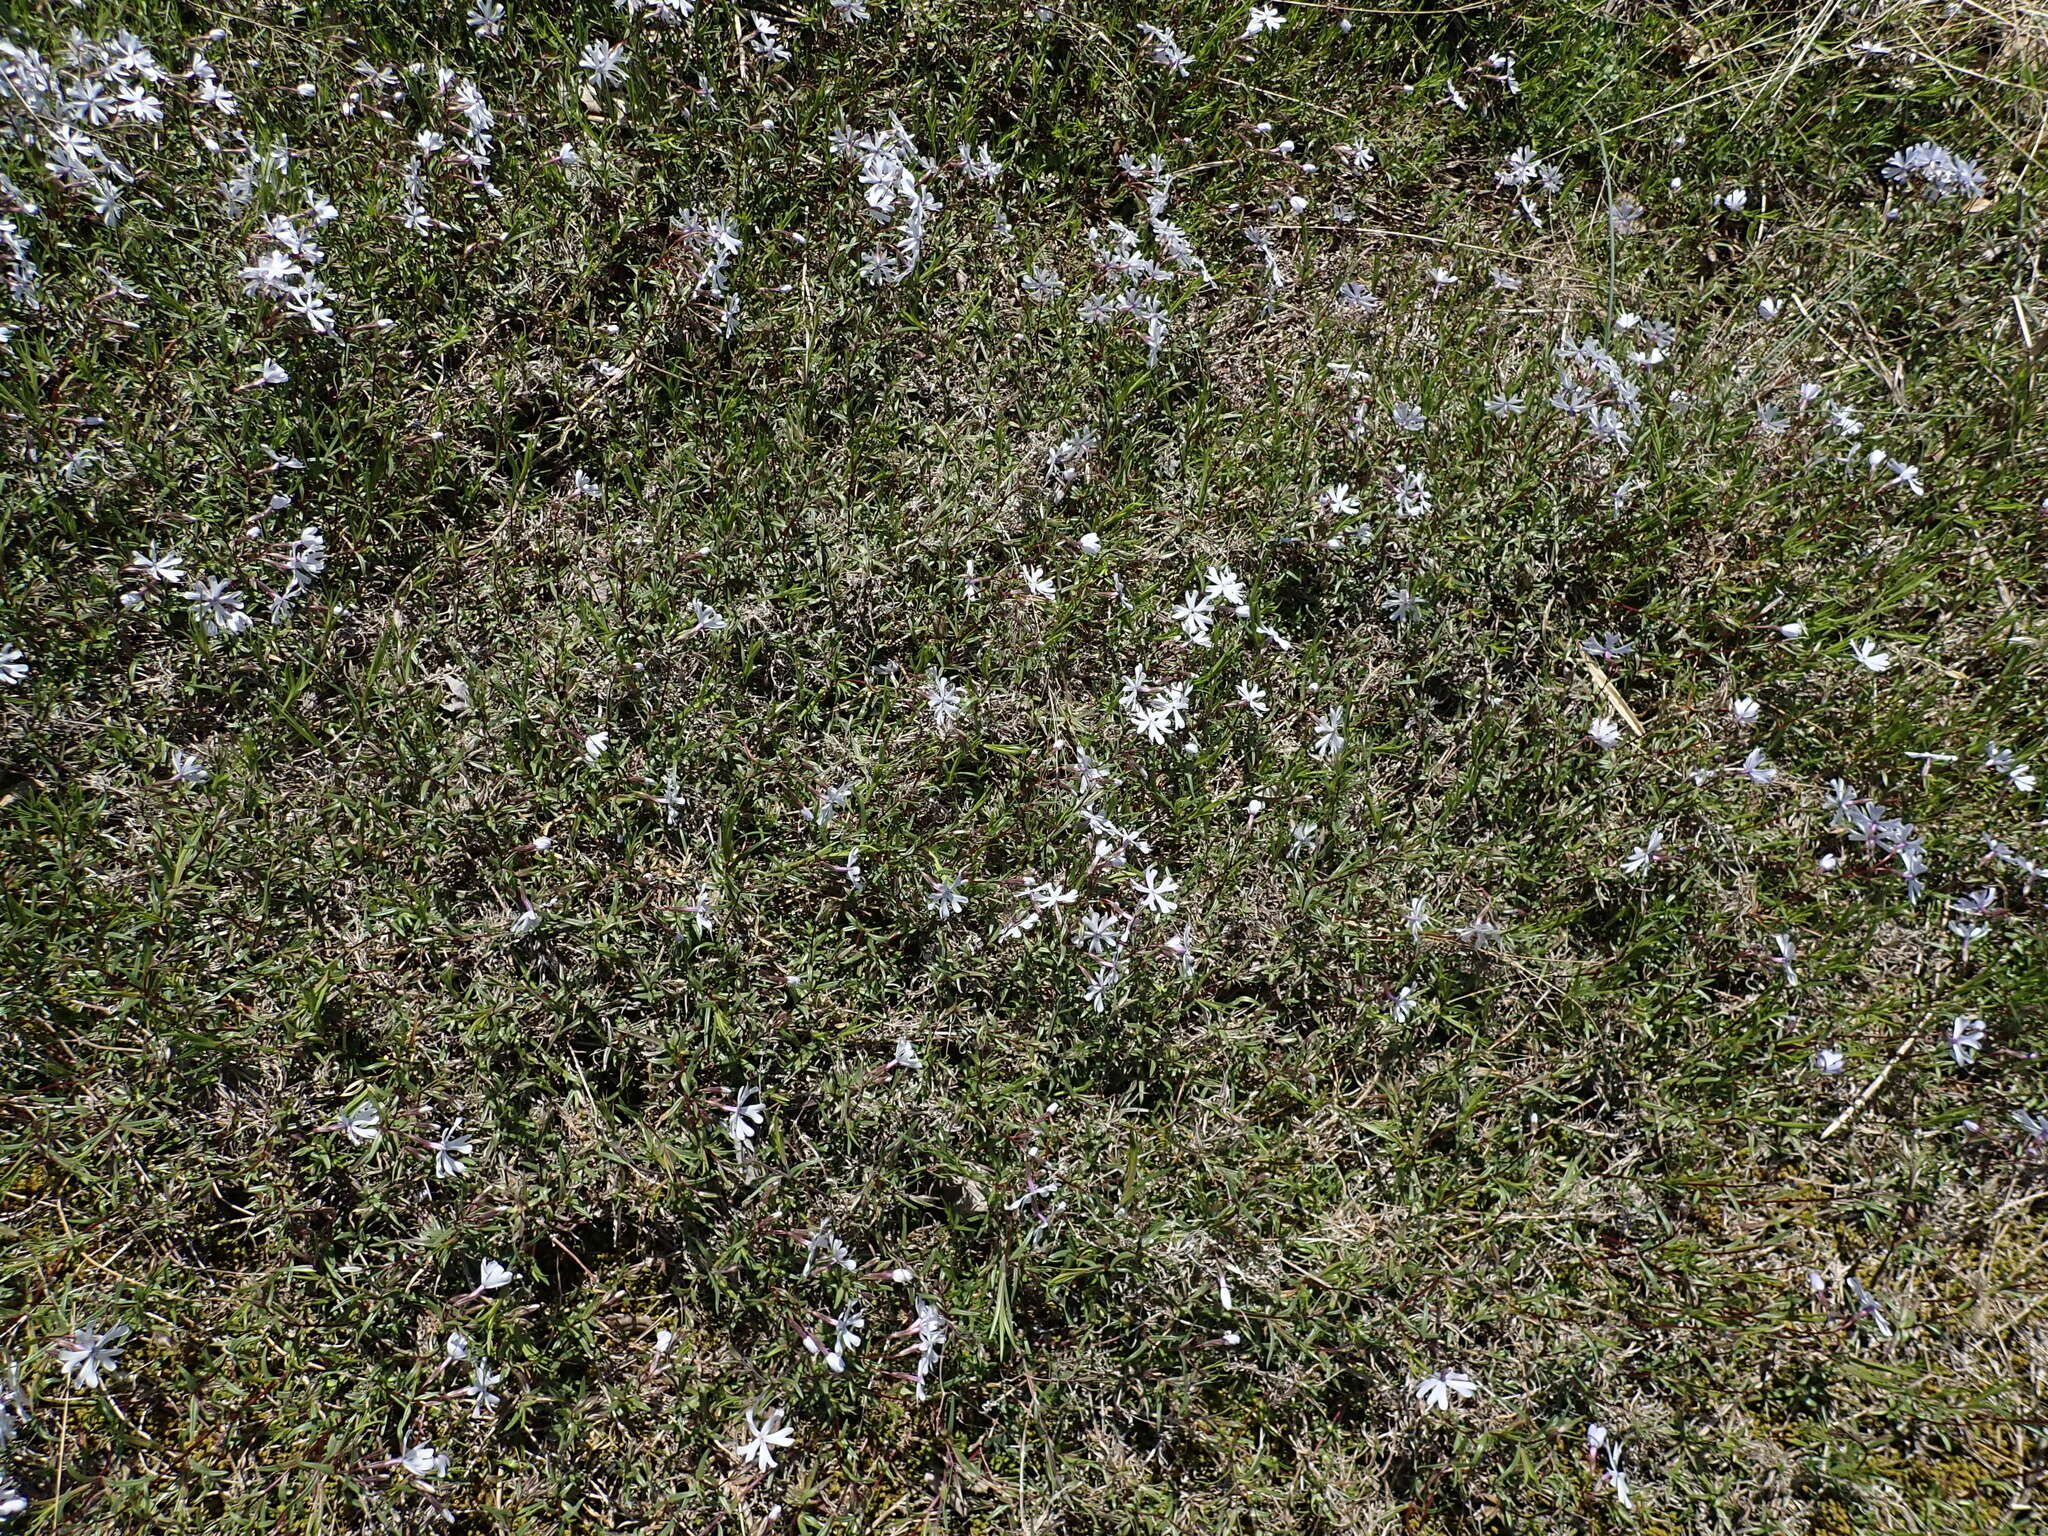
(1594, 1168)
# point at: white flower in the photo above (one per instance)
(1051, 895)
(1036, 583)
(1338, 501)
(1195, 617)
(1869, 657)
(218, 608)
(481, 1381)
(1786, 953)
(1965, 1038)
(1745, 711)
(930, 1328)
(1101, 932)
(424, 1461)
(1829, 1060)
(846, 1335)
(1101, 983)
(1264, 18)
(361, 1124)
(1907, 475)
(1252, 697)
(307, 555)
(604, 62)
(1867, 1307)
(2002, 760)
(1163, 49)
(744, 1116)
(1155, 891)
(1402, 606)
(1754, 768)
(1435, 1391)
(906, 1057)
(946, 701)
(269, 371)
(830, 803)
(13, 666)
(1600, 1447)
(1329, 735)
(187, 770)
(1646, 854)
(764, 1439)
(168, 566)
(1220, 584)
(946, 898)
(492, 1276)
(449, 1151)
(594, 745)
(90, 1352)
(1605, 732)
(1607, 647)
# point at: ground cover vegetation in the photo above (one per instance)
(1057, 768)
